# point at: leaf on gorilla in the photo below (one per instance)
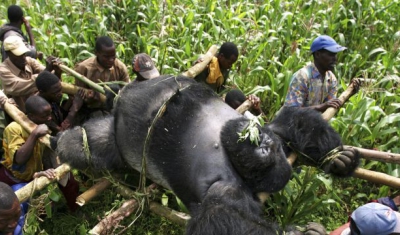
(252, 130)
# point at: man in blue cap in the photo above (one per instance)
(315, 86)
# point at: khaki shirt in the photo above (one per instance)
(20, 84)
(91, 69)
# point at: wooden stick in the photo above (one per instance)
(199, 67)
(93, 191)
(378, 155)
(71, 89)
(377, 177)
(82, 78)
(18, 116)
(106, 224)
(330, 112)
(172, 215)
(244, 106)
(25, 192)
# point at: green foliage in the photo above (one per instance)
(251, 131)
(273, 37)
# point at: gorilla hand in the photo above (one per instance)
(313, 228)
(345, 163)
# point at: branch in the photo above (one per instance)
(82, 78)
(199, 67)
(40, 183)
(71, 89)
(93, 191)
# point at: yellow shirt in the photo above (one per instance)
(13, 138)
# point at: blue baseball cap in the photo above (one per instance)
(327, 43)
(376, 219)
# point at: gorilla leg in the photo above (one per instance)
(92, 145)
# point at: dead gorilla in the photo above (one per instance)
(189, 139)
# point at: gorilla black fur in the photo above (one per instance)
(189, 139)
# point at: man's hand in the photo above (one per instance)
(356, 85)
(49, 173)
(92, 97)
(256, 103)
(50, 64)
(40, 130)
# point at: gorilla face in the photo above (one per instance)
(264, 168)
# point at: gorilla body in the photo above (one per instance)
(189, 139)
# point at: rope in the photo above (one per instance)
(85, 146)
(160, 112)
(330, 156)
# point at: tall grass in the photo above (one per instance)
(273, 36)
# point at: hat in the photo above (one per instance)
(16, 45)
(376, 219)
(144, 65)
(327, 43)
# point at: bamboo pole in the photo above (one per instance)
(172, 215)
(377, 177)
(330, 112)
(106, 224)
(375, 155)
(199, 67)
(71, 89)
(93, 191)
(82, 78)
(18, 116)
(25, 192)
(244, 107)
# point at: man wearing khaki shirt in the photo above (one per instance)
(104, 67)
(18, 72)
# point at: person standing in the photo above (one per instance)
(315, 86)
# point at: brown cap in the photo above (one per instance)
(144, 65)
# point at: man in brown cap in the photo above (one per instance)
(143, 67)
(18, 72)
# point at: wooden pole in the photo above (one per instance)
(82, 78)
(71, 89)
(172, 215)
(330, 112)
(18, 116)
(199, 67)
(40, 183)
(244, 107)
(378, 155)
(377, 177)
(93, 191)
(110, 221)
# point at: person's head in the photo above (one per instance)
(38, 109)
(49, 86)
(10, 209)
(324, 50)
(105, 51)
(144, 68)
(15, 14)
(16, 51)
(235, 98)
(227, 55)
(374, 219)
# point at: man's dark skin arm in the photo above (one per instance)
(25, 152)
(334, 103)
